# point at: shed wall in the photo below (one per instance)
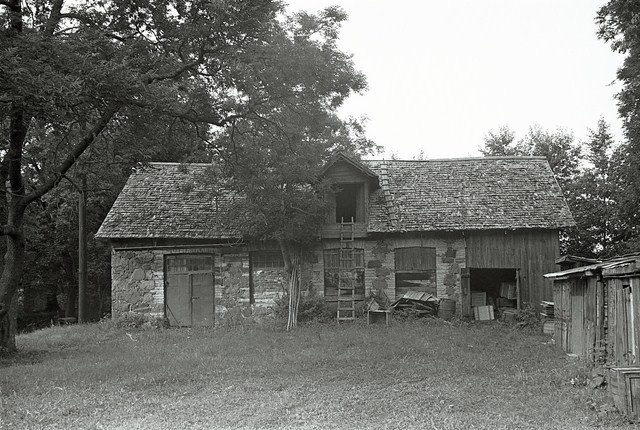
(623, 334)
(532, 251)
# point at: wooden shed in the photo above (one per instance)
(597, 310)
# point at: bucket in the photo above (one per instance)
(447, 308)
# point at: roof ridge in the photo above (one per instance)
(173, 163)
(496, 157)
(386, 193)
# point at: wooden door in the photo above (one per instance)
(202, 303)
(178, 299)
(189, 290)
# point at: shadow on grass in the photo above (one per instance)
(28, 357)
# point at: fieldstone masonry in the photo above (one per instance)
(138, 275)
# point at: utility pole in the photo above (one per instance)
(82, 249)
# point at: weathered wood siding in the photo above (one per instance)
(623, 335)
(578, 327)
(532, 251)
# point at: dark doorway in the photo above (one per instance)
(498, 285)
(347, 202)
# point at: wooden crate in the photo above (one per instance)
(483, 313)
(478, 298)
(624, 386)
(548, 327)
(380, 316)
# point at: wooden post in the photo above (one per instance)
(518, 305)
(82, 250)
(465, 290)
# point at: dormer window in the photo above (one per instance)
(347, 203)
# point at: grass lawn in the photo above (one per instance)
(427, 375)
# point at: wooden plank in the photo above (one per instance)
(518, 293)
(624, 324)
(465, 281)
(415, 259)
(557, 299)
(577, 320)
(635, 289)
(611, 320)
(566, 315)
(599, 340)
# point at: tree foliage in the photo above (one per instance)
(79, 74)
(619, 25)
(273, 162)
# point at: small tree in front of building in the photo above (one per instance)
(272, 161)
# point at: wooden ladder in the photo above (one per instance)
(346, 273)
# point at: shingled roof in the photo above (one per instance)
(467, 194)
(167, 200)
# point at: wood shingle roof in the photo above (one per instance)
(467, 194)
(168, 200)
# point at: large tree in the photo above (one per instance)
(273, 162)
(70, 71)
(618, 22)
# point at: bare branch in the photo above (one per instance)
(76, 152)
(9, 230)
(54, 17)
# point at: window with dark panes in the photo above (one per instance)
(189, 263)
(332, 272)
(416, 270)
(267, 260)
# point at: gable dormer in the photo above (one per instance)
(352, 183)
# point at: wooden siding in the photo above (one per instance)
(332, 231)
(577, 328)
(343, 173)
(533, 252)
(623, 330)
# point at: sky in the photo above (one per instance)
(442, 74)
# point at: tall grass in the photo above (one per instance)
(427, 374)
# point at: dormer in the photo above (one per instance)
(352, 183)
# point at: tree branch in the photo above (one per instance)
(9, 230)
(76, 152)
(54, 17)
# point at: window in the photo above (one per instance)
(267, 260)
(416, 270)
(347, 199)
(189, 263)
(332, 272)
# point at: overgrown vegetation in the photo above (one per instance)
(425, 374)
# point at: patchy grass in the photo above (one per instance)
(427, 374)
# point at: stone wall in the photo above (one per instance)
(138, 275)
(138, 280)
(379, 262)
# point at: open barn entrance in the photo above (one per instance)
(495, 287)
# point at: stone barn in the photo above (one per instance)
(445, 227)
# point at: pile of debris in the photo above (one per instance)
(418, 303)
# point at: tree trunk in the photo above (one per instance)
(292, 255)
(9, 281)
(294, 287)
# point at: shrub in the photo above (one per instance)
(130, 320)
(528, 318)
(312, 308)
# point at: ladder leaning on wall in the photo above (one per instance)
(346, 273)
